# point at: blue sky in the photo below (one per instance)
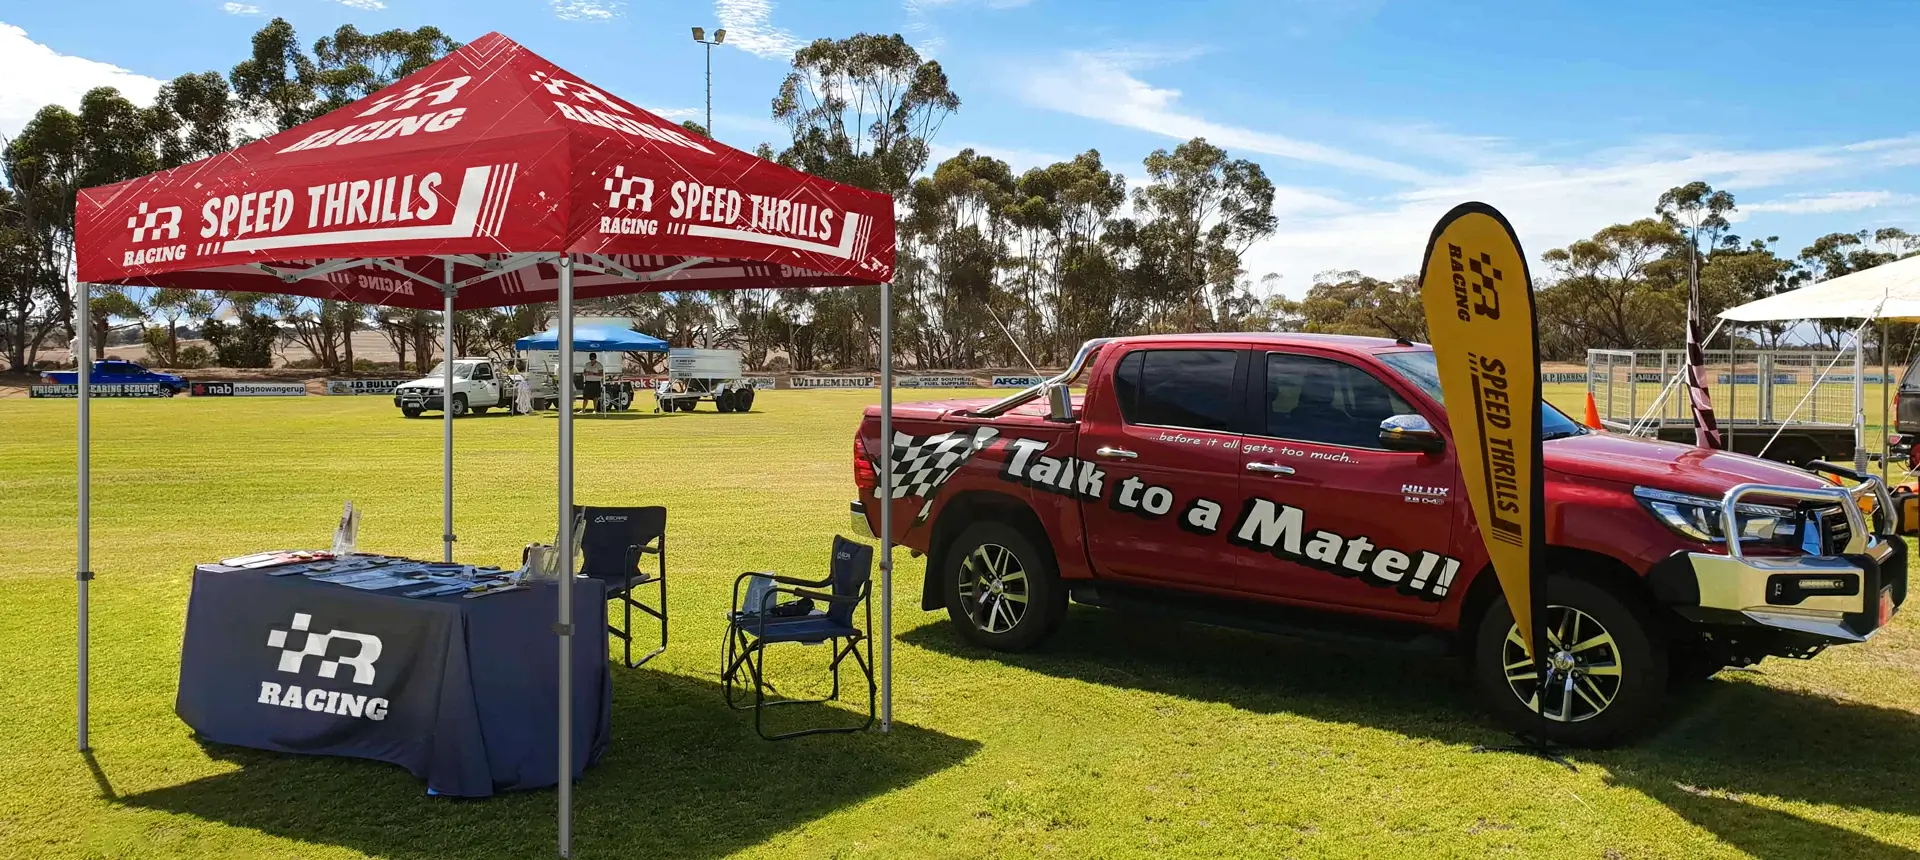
(1373, 117)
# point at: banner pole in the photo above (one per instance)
(83, 573)
(564, 588)
(446, 423)
(886, 506)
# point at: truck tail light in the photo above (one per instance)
(864, 476)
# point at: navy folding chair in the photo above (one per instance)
(612, 545)
(752, 628)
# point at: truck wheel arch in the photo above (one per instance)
(1601, 569)
(963, 510)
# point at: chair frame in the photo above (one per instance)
(746, 648)
(656, 547)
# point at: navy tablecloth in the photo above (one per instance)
(461, 692)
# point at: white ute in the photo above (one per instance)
(477, 387)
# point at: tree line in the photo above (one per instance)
(995, 267)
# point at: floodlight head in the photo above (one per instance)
(699, 34)
(719, 36)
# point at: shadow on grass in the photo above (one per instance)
(1727, 739)
(684, 777)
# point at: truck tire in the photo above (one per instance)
(410, 413)
(459, 405)
(1002, 592)
(746, 401)
(723, 401)
(1619, 673)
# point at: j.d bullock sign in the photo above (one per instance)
(362, 386)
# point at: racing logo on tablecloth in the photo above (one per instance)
(366, 652)
(921, 464)
(317, 646)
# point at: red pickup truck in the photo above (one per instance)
(1306, 485)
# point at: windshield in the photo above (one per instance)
(1417, 367)
(460, 371)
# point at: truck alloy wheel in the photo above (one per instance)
(1606, 656)
(1001, 589)
(993, 588)
(1583, 667)
(459, 405)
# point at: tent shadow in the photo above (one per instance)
(684, 777)
(1731, 735)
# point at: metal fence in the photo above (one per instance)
(1747, 387)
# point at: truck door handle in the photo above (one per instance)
(1270, 468)
(1120, 453)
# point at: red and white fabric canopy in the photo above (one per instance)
(476, 171)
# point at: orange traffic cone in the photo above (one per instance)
(1593, 414)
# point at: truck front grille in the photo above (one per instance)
(1831, 524)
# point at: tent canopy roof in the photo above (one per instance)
(478, 171)
(594, 338)
(1887, 291)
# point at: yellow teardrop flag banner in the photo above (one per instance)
(1479, 304)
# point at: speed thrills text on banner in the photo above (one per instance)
(1480, 318)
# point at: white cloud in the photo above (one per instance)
(1835, 201)
(1102, 86)
(1549, 203)
(585, 10)
(673, 113)
(33, 75)
(368, 5)
(1020, 160)
(240, 9)
(749, 26)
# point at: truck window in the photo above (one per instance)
(1329, 402)
(1190, 388)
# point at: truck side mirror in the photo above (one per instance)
(1059, 403)
(1411, 433)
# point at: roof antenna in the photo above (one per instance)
(1016, 344)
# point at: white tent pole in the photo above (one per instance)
(1860, 397)
(564, 588)
(446, 415)
(83, 362)
(886, 506)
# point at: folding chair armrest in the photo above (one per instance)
(821, 595)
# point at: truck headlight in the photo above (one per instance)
(1699, 518)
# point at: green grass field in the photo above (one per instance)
(1124, 738)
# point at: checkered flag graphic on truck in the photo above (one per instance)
(921, 464)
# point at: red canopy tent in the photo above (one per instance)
(492, 177)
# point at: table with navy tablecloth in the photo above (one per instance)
(462, 692)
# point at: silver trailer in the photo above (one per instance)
(694, 375)
(1794, 406)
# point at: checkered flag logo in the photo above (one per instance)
(628, 192)
(921, 464)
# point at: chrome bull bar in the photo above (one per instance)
(1862, 535)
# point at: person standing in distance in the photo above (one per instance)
(590, 379)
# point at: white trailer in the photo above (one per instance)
(694, 375)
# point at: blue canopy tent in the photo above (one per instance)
(593, 338)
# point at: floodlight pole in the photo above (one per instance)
(83, 363)
(563, 622)
(446, 415)
(886, 506)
